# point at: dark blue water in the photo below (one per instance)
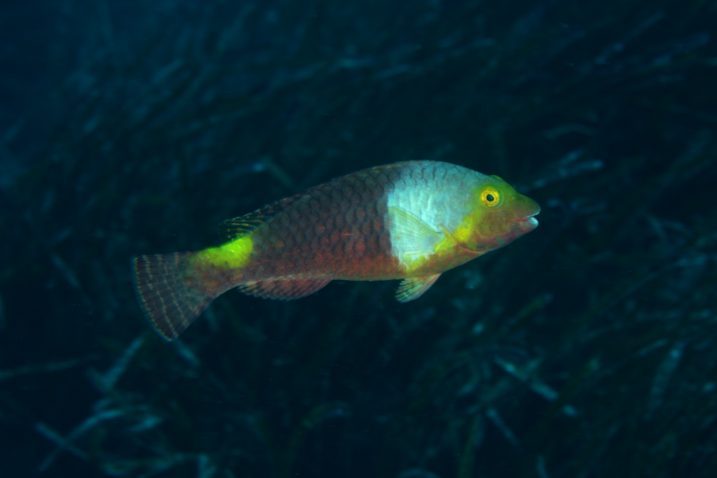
(585, 349)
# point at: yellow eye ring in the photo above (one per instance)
(490, 197)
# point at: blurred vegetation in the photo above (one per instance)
(585, 349)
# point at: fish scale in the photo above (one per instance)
(411, 221)
(325, 241)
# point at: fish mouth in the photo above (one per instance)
(529, 222)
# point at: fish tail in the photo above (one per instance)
(172, 292)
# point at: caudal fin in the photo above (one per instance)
(171, 295)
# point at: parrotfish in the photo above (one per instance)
(408, 221)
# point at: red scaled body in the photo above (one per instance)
(338, 229)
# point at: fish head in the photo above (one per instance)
(499, 215)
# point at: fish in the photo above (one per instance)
(409, 221)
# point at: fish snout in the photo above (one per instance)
(527, 210)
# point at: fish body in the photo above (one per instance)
(411, 221)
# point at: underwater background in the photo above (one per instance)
(587, 348)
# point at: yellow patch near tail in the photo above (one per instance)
(175, 288)
(231, 255)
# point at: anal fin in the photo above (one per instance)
(414, 287)
(283, 289)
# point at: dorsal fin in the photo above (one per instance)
(241, 225)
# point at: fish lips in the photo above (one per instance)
(527, 221)
(527, 224)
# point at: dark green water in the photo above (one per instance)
(585, 349)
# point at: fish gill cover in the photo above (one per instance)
(585, 349)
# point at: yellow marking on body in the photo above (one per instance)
(466, 229)
(412, 263)
(458, 237)
(232, 255)
(420, 243)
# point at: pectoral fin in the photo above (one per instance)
(414, 287)
(413, 240)
(412, 229)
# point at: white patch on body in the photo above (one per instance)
(428, 199)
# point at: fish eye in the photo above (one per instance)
(490, 197)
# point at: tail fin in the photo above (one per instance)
(170, 294)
